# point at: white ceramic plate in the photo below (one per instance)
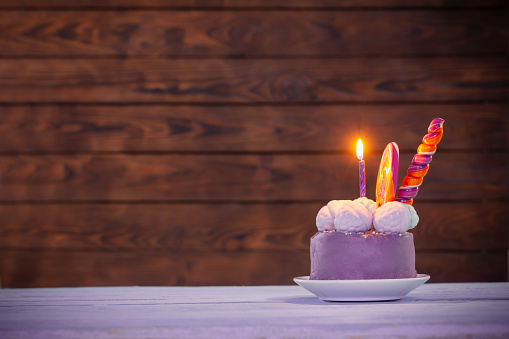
(361, 290)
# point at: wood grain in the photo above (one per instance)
(253, 81)
(251, 33)
(461, 226)
(262, 128)
(227, 227)
(72, 268)
(462, 267)
(235, 177)
(192, 142)
(254, 3)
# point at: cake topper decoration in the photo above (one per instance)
(387, 179)
(420, 163)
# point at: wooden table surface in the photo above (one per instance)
(444, 310)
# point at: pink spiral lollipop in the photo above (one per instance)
(420, 162)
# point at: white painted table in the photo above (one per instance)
(442, 310)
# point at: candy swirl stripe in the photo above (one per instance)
(407, 193)
(432, 138)
(409, 181)
(421, 159)
(427, 149)
(420, 162)
(417, 171)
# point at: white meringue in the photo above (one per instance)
(326, 215)
(413, 213)
(394, 217)
(368, 203)
(324, 220)
(352, 216)
(334, 206)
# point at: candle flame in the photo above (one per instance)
(360, 151)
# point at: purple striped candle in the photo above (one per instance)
(362, 169)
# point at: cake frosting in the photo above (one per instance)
(340, 256)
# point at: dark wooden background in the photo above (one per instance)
(151, 142)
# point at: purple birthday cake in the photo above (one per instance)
(356, 240)
(364, 239)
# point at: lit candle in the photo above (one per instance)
(362, 180)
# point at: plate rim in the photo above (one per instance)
(420, 276)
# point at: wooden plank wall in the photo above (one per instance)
(192, 142)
